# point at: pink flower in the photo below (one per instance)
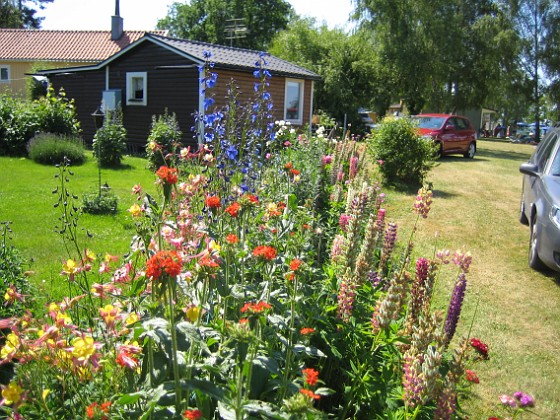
(508, 400)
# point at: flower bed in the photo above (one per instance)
(265, 282)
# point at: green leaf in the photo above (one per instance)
(310, 351)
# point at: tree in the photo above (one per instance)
(444, 53)
(242, 23)
(348, 64)
(21, 14)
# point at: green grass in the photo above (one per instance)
(476, 207)
(26, 199)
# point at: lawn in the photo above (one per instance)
(26, 199)
(476, 207)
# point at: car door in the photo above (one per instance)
(464, 134)
(451, 136)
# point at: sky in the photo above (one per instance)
(144, 14)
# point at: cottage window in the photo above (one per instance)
(293, 101)
(137, 88)
(4, 74)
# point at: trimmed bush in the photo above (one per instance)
(109, 143)
(103, 202)
(48, 149)
(403, 155)
(163, 139)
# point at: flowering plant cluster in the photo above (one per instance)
(245, 294)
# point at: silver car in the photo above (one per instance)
(540, 202)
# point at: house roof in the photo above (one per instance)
(222, 57)
(63, 45)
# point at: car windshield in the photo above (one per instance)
(429, 122)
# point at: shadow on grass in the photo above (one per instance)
(501, 154)
(122, 167)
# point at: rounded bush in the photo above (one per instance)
(403, 155)
(48, 148)
(100, 203)
(17, 125)
(55, 113)
(163, 139)
(109, 143)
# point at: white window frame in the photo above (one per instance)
(296, 121)
(7, 67)
(130, 99)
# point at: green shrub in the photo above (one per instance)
(12, 276)
(403, 155)
(17, 126)
(56, 114)
(48, 148)
(103, 202)
(164, 136)
(109, 143)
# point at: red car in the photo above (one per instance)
(454, 134)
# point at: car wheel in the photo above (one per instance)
(522, 217)
(470, 151)
(534, 260)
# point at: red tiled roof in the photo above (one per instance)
(63, 46)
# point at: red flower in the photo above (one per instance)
(249, 200)
(208, 261)
(127, 360)
(164, 261)
(255, 308)
(213, 202)
(480, 347)
(311, 376)
(307, 330)
(233, 209)
(167, 174)
(295, 264)
(266, 252)
(192, 414)
(288, 166)
(95, 409)
(232, 238)
(294, 172)
(471, 376)
(310, 394)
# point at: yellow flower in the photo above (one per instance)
(109, 314)
(214, 246)
(63, 319)
(12, 393)
(192, 313)
(84, 348)
(70, 267)
(46, 393)
(10, 346)
(90, 255)
(53, 307)
(135, 210)
(132, 319)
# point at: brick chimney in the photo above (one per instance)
(116, 23)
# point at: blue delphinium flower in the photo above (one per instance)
(232, 153)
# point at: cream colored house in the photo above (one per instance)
(23, 49)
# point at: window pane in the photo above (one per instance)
(3, 73)
(138, 88)
(292, 101)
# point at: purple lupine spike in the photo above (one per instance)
(455, 305)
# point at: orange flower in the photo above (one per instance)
(310, 394)
(265, 252)
(164, 261)
(167, 174)
(288, 166)
(294, 171)
(232, 238)
(295, 264)
(192, 414)
(311, 376)
(213, 202)
(233, 209)
(307, 330)
(255, 308)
